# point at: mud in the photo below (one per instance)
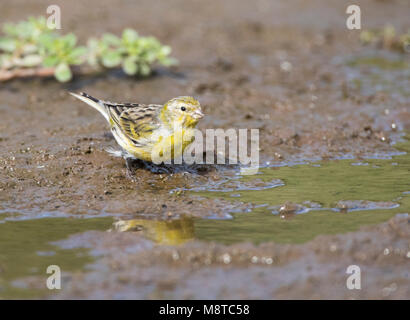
(131, 267)
(292, 70)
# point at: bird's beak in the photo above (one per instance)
(198, 114)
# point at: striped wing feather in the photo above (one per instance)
(136, 121)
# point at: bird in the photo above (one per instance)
(150, 132)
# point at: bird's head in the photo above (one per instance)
(182, 111)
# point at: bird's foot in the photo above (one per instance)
(130, 169)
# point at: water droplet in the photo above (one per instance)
(286, 66)
(175, 255)
(226, 258)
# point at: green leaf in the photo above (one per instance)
(144, 69)
(63, 72)
(70, 39)
(111, 59)
(111, 40)
(46, 40)
(10, 29)
(79, 51)
(7, 44)
(367, 37)
(151, 56)
(130, 35)
(30, 48)
(129, 66)
(50, 61)
(165, 50)
(31, 60)
(93, 43)
(77, 56)
(167, 62)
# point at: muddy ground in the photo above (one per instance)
(281, 67)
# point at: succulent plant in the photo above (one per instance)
(29, 30)
(61, 52)
(368, 37)
(405, 41)
(387, 38)
(135, 54)
(22, 38)
(31, 44)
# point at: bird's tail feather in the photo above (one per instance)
(93, 102)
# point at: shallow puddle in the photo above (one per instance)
(26, 251)
(290, 204)
(387, 72)
(294, 204)
(326, 197)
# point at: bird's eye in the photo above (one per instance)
(183, 108)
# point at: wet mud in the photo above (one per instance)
(332, 190)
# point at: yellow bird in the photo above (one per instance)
(148, 131)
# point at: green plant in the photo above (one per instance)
(19, 46)
(30, 44)
(135, 54)
(61, 53)
(386, 38)
(405, 41)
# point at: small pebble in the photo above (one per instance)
(226, 258)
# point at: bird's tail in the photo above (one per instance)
(93, 102)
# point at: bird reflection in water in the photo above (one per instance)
(169, 232)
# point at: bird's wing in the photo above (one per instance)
(136, 121)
